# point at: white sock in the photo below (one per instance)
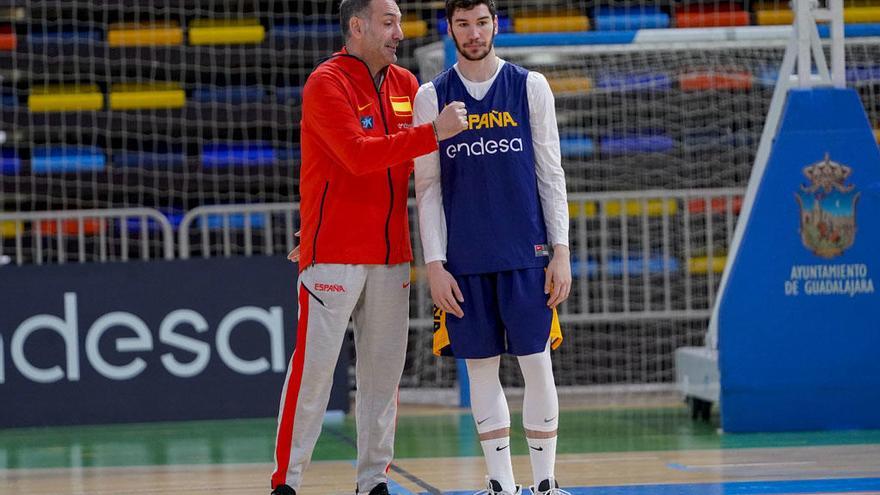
(542, 453)
(497, 455)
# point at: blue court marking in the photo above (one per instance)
(847, 485)
(396, 489)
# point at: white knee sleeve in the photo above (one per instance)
(540, 402)
(488, 404)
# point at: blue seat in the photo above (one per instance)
(634, 82)
(232, 154)
(50, 159)
(234, 220)
(614, 267)
(633, 144)
(135, 225)
(317, 27)
(629, 18)
(148, 159)
(10, 163)
(234, 95)
(288, 94)
(573, 146)
(65, 36)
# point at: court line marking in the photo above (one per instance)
(393, 467)
(591, 460)
(702, 467)
(397, 488)
(835, 486)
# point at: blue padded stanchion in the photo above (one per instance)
(797, 327)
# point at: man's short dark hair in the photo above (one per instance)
(349, 9)
(453, 5)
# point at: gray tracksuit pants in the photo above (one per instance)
(376, 299)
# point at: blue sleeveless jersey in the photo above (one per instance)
(494, 220)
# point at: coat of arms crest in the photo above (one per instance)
(828, 208)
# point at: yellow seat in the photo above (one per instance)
(634, 208)
(855, 15)
(66, 98)
(773, 17)
(569, 84)
(9, 229)
(631, 208)
(142, 97)
(226, 32)
(414, 28)
(144, 34)
(577, 209)
(700, 265)
(550, 23)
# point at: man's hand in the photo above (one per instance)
(451, 121)
(293, 255)
(444, 289)
(557, 281)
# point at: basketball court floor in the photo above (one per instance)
(656, 450)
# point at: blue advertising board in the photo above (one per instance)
(799, 323)
(148, 341)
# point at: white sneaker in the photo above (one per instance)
(548, 487)
(494, 488)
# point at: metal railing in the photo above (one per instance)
(645, 265)
(58, 237)
(642, 255)
(227, 230)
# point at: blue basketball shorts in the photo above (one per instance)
(504, 312)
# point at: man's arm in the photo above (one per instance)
(551, 186)
(328, 113)
(432, 220)
(429, 198)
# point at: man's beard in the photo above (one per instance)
(474, 59)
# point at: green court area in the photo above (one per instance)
(418, 436)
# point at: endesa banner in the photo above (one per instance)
(148, 341)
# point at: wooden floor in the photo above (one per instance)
(438, 475)
(646, 448)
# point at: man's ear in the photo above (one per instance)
(356, 27)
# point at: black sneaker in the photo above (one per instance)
(548, 487)
(493, 487)
(380, 489)
(283, 490)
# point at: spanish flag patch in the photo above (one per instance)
(402, 106)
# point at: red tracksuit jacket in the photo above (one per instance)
(358, 144)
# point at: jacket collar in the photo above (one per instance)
(343, 54)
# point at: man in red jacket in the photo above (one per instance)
(358, 143)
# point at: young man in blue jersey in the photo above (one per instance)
(492, 209)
